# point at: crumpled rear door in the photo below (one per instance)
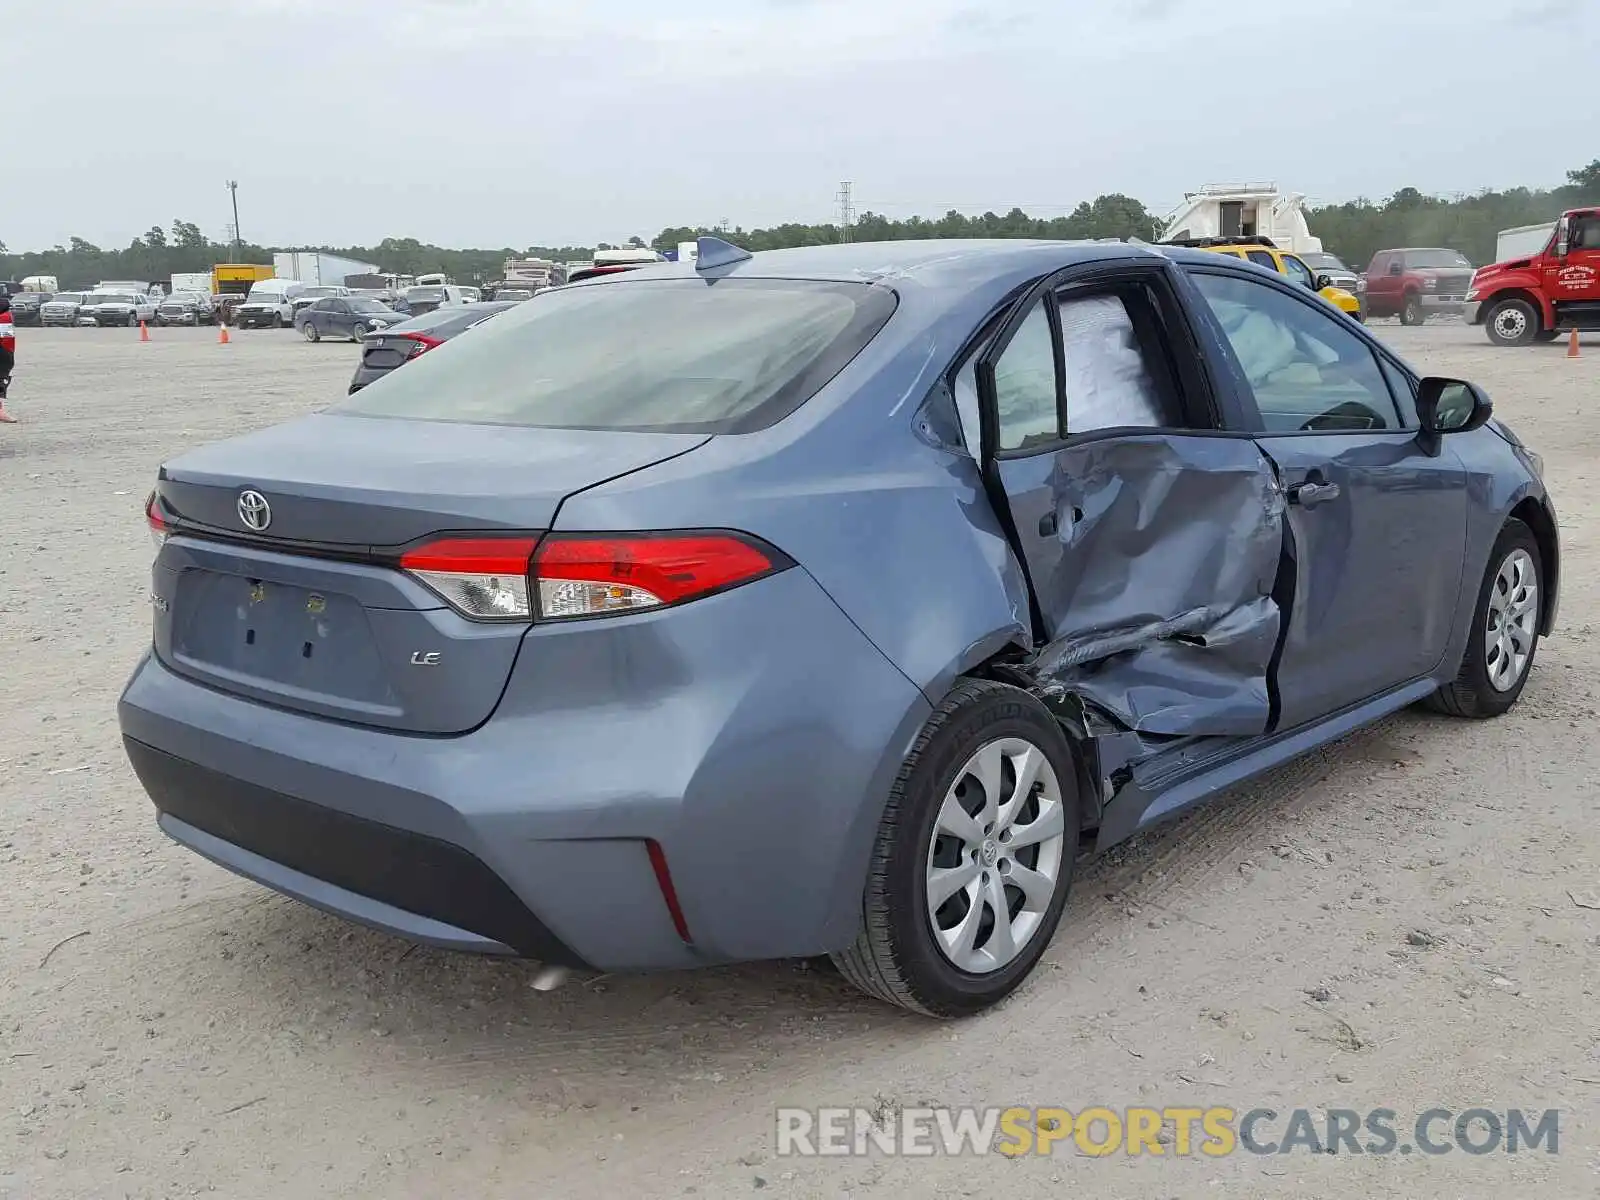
(1153, 559)
(1152, 540)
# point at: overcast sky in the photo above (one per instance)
(519, 122)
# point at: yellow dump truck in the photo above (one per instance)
(236, 279)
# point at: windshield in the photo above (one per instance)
(185, 297)
(368, 306)
(1324, 262)
(1436, 258)
(113, 298)
(320, 291)
(425, 293)
(68, 298)
(264, 298)
(514, 294)
(663, 355)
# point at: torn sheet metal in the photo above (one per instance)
(1157, 587)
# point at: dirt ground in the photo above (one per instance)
(167, 1029)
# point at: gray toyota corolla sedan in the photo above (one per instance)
(826, 601)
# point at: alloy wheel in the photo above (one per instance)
(1512, 620)
(996, 855)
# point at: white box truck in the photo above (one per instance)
(316, 268)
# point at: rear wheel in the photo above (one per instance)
(1411, 311)
(1505, 630)
(974, 856)
(1512, 323)
(311, 332)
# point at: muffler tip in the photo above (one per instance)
(550, 978)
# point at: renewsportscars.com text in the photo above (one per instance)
(1179, 1132)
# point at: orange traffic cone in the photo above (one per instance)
(222, 335)
(1572, 345)
(144, 332)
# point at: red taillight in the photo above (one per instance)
(485, 577)
(159, 529)
(420, 342)
(585, 575)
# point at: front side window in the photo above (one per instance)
(1308, 372)
(1298, 271)
(1261, 259)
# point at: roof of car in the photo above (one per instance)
(933, 262)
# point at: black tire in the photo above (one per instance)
(1547, 335)
(311, 332)
(1471, 694)
(133, 320)
(1512, 323)
(277, 320)
(895, 956)
(358, 333)
(1411, 312)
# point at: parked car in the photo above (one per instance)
(269, 304)
(118, 308)
(228, 307)
(1264, 253)
(313, 292)
(62, 308)
(26, 307)
(424, 298)
(1414, 284)
(649, 626)
(595, 271)
(187, 308)
(339, 316)
(513, 294)
(1331, 265)
(399, 344)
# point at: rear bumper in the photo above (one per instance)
(754, 736)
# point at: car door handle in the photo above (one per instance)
(1311, 494)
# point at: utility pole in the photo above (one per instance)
(233, 189)
(847, 211)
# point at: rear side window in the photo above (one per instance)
(670, 355)
(1262, 259)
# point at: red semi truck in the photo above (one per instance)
(1534, 298)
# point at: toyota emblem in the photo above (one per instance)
(254, 510)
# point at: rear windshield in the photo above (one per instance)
(672, 356)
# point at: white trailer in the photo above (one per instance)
(1524, 241)
(317, 268)
(192, 281)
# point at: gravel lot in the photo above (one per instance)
(167, 1029)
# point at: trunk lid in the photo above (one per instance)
(307, 612)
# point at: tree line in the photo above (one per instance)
(1353, 230)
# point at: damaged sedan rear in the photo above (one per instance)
(824, 601)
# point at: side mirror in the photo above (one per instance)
(1324, 281)
(1450, 406)
(1562, 238)
(1396, 269)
